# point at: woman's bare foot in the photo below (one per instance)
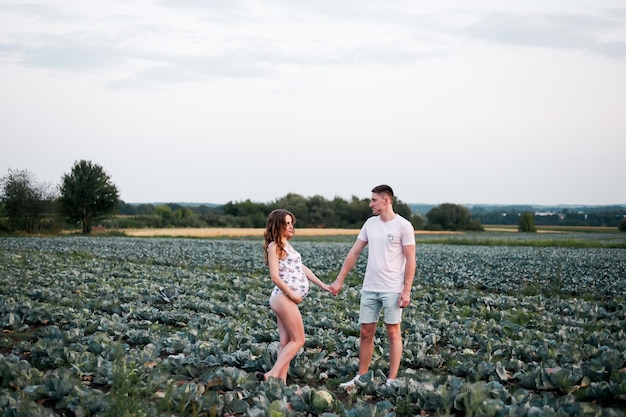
(268, 375)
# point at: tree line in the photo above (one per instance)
(85, 196)
(88, 198)
(312, 212)
(319, 212)
(604, 216)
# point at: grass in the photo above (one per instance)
(554, 229)
(560, 243)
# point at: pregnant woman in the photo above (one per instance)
(291, 284)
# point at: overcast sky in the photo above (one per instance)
(468, 102)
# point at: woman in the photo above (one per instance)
(291, 284)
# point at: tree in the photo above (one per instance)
(417, 221)
(622, 225)
(248, 213)
(296, 204)
(26, 202)
(87, 195)
(165, 213)
(402, 209)
(450, 216)
(527, 222)
(358, 210)
(321, 213)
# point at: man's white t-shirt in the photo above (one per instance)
(385, 261)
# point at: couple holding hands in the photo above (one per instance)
(386, 286)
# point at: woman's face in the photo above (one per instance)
(288, 230)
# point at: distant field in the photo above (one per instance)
(552, 229)
(244, 232)
(234, 232)
(230, 232)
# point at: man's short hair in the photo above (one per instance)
(383, 189)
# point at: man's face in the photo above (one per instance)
(378, 203)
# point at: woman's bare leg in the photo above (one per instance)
(291, 331)
(284, 341)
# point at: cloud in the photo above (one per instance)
(37, 11)
(554, 30)
(71, 55)
(127, 58)
(617, 12)
(220, 5)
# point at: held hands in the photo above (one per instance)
(326, 287)
(335, 288)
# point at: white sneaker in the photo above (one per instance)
(350, 383)
(389, 381)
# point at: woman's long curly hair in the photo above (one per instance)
(274, 231)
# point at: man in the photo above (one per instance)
(388, 278)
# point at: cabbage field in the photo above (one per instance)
(118, 326)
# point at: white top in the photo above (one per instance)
(291, 272)
(385, 261)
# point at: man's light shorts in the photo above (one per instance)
(373, 302)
